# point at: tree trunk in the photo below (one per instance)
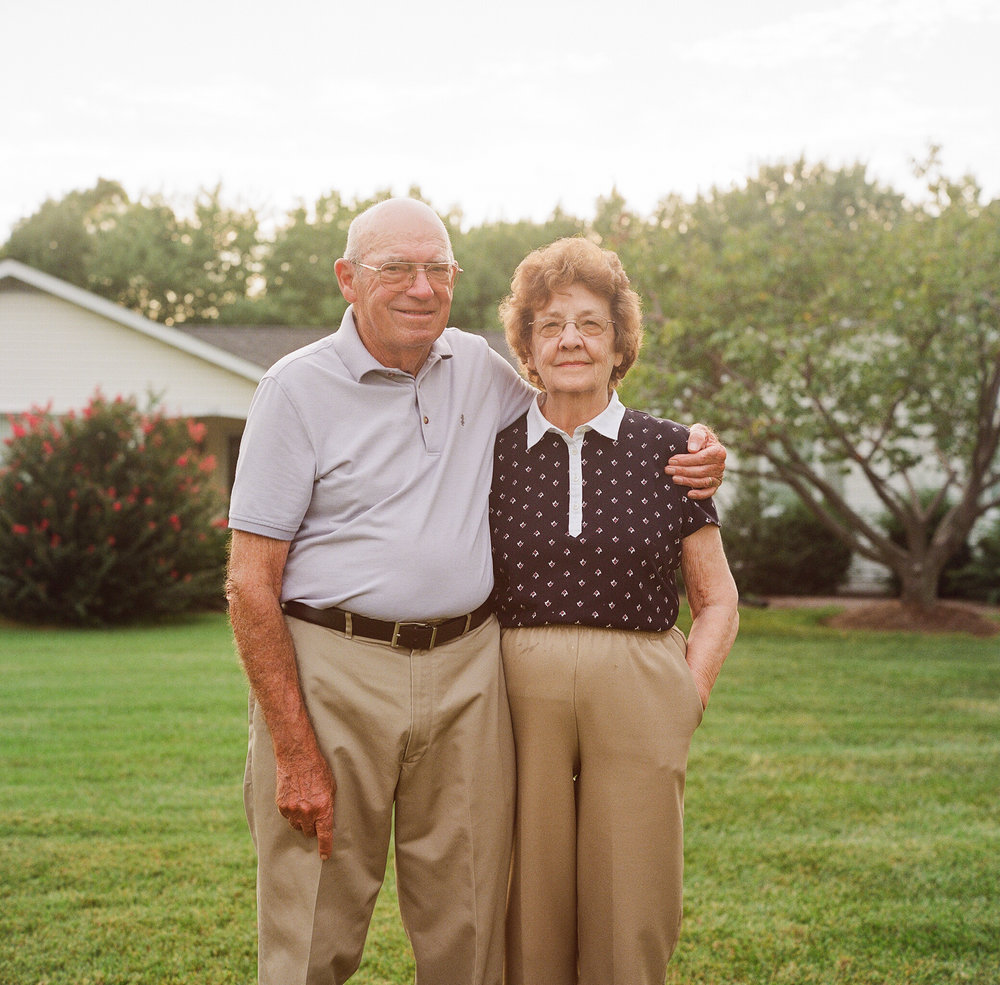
(918, 585)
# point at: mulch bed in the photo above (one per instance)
(945, 617)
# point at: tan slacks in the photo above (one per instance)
(426, 732)
(602, 726)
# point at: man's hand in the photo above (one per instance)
(304, 797)
(703, 467)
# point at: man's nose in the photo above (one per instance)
(421, 286)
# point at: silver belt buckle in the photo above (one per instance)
(396, 627)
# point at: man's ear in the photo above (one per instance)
(346, 276)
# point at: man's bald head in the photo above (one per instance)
(388, 219)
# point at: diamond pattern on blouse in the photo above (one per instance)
(619, 572)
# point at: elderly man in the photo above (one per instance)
(359, 582)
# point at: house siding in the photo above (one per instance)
(54, 351)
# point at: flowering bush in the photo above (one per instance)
(107, 516)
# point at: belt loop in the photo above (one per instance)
(434, 633)
(468, 623)
(395, 636)
(348, 628)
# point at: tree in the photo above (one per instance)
(300, 282)
(297, 270)
(142, 254)
(829, 327)
(59, 238)
(176, 269)
(488, 255)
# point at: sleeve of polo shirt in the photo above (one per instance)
(276, 468)
(516, 393)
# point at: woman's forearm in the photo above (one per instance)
(713, 598)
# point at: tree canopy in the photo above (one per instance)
(828, 328)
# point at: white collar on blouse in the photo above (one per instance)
(608, 422)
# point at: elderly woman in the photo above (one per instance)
(605, 692)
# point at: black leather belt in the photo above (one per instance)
(410, 635)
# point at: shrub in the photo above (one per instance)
(776, 546)
(979, 578)
(108, 516)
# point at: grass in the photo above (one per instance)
(843, 818)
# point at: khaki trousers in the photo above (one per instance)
(603, 721)
(426, 732)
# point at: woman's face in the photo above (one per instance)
(573, 344)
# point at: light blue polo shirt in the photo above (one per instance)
(380, 480)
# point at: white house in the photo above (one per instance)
(60, 343)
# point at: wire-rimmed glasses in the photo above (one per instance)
(399, 275)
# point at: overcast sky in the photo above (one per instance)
(505, 111)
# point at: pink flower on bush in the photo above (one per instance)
(20, 529)
(196, 431)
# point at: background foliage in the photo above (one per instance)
(108, 516)
(834, 332)
(776, 546)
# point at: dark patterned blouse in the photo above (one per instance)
(618, 572)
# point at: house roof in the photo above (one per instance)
(14, 270)
(262, 345)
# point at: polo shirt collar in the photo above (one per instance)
(607, 423)
(360, 362)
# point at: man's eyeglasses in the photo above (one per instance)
(551, 328)
(399, 276)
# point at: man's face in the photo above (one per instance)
(398, 327)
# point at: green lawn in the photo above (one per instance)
(843, 812)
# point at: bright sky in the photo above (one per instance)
(505, 109)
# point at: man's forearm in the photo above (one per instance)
(268, 657)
